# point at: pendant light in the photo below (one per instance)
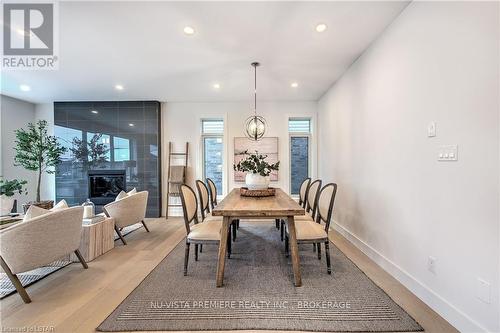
(255, 126)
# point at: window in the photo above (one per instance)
(213, 150)
(65, 136)
(121, 149)
(103, 139)
(300, 141)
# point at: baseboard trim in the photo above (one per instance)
(448, 311)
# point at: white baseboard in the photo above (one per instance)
(448, 311)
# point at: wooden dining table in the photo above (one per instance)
(235, 206)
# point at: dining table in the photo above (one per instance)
(278, 206)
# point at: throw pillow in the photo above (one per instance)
(34, 211)
(60, 205)
(121, 195)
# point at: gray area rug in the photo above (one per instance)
(258, 292)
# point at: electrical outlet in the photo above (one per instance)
(483, 291)
(431, 264)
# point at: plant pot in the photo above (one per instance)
(254, 181)
(6, 204)
(47, 204)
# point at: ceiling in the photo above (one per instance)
(142, 46)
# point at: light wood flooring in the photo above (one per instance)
(77, 300)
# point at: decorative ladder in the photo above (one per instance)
(171, 157)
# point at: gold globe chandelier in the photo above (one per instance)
(255, 126)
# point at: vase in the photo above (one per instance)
(254, 181)
(6, 204)
(88, 209)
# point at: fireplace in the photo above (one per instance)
(104, 185)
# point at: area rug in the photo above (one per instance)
(30, 277)
(258, 292)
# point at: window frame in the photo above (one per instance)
(203, 136)
(309, 136)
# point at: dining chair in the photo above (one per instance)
(310, 200)
(198, 233)
(304, 187)
(314, 231)
(212, 190)
(204, 199)
(206, 215)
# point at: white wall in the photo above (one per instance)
(182, 122)
(439, 61)
(45, 111)
(15, 114)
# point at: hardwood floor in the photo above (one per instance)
(77, 300)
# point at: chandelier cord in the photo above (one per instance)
(255, 90)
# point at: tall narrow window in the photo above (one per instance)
(121, 149)
(212, 131)
(300, 141)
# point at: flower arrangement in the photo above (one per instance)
(257, 164)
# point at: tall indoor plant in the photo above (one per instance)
(38, 151)
(257, 169)
(7, 190)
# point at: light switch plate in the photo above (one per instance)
(448, 153)
(431, 129)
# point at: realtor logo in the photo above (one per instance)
(29, 35)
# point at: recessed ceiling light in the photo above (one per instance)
(94, 111)
(216, 86)
(24, 87)
(189, 30)
(131, 125)
(321, 27)
(294, 85)
(118, 87)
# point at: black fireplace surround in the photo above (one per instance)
(111, 146)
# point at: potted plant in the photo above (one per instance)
(257, 169)
(37, 151)
(7, 190)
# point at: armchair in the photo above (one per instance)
(127, 211)
(40, 241)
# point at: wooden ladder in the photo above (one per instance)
(173, 155)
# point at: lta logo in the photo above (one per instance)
(29, 36)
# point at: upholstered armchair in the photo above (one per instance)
(38, 242)
(127, 211)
